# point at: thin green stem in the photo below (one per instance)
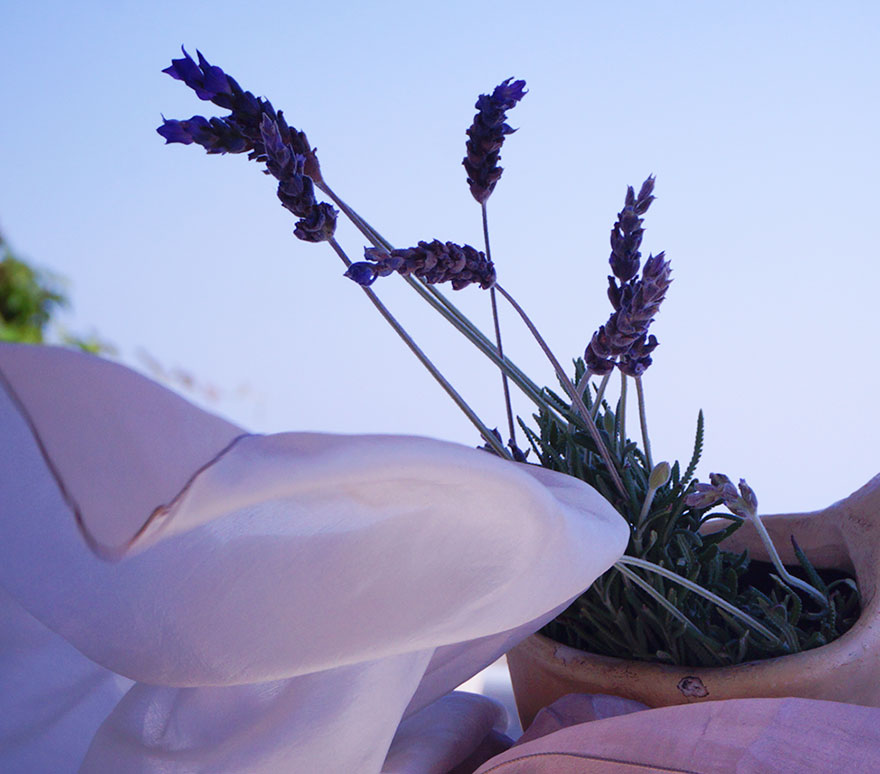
(365, 228)
(600, 395)
(657, 479)
(570, 388)
(780, 567)
(480, 340)
(484, 431)
(700, 591)
(504, 385)
(584, 381)
(643, 421)
(622, 413)
(658, 597)
(446, 308)
(473, 334)
(646, 506)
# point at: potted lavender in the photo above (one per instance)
(701, 599)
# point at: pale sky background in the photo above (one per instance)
(759, 119)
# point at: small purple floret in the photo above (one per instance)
(277, 152)
(319, 225)
(363, 273)
(626, 235)
(214, 135)
(206, 80)
(637, 360)
(175, 131)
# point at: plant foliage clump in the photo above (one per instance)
(616, 618)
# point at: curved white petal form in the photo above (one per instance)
(443, 733)
(118, 444)
(287, 590)
(52, 699)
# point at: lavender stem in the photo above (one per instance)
(504, 385)
(657, 597)
(643, 421)
(699, 590)
(484, 431)
(569, 386)
(777, 562)
(584, 380)
(445, 307)
(365, 228)
(600, 395)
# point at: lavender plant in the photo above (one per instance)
(677, 595)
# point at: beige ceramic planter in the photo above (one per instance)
(845, 536)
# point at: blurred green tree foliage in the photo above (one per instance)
(29, 299)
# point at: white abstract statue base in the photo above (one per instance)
(179, 596)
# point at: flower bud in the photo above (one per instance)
(659, 475)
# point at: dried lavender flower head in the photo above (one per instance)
(486, 136)
(209, 82)
(255, 127)
(720, 489)
(434, 262)
(624, 340)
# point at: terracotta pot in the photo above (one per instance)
(845, 536)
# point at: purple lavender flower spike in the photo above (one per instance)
(624, 339)
(436, 262)
(255, 127)
(625, 335)
(247, 111)
(634, 301)
(486, 136)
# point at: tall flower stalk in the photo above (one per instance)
(700, 614)
(485, 137)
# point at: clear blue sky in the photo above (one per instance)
(759, 120)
